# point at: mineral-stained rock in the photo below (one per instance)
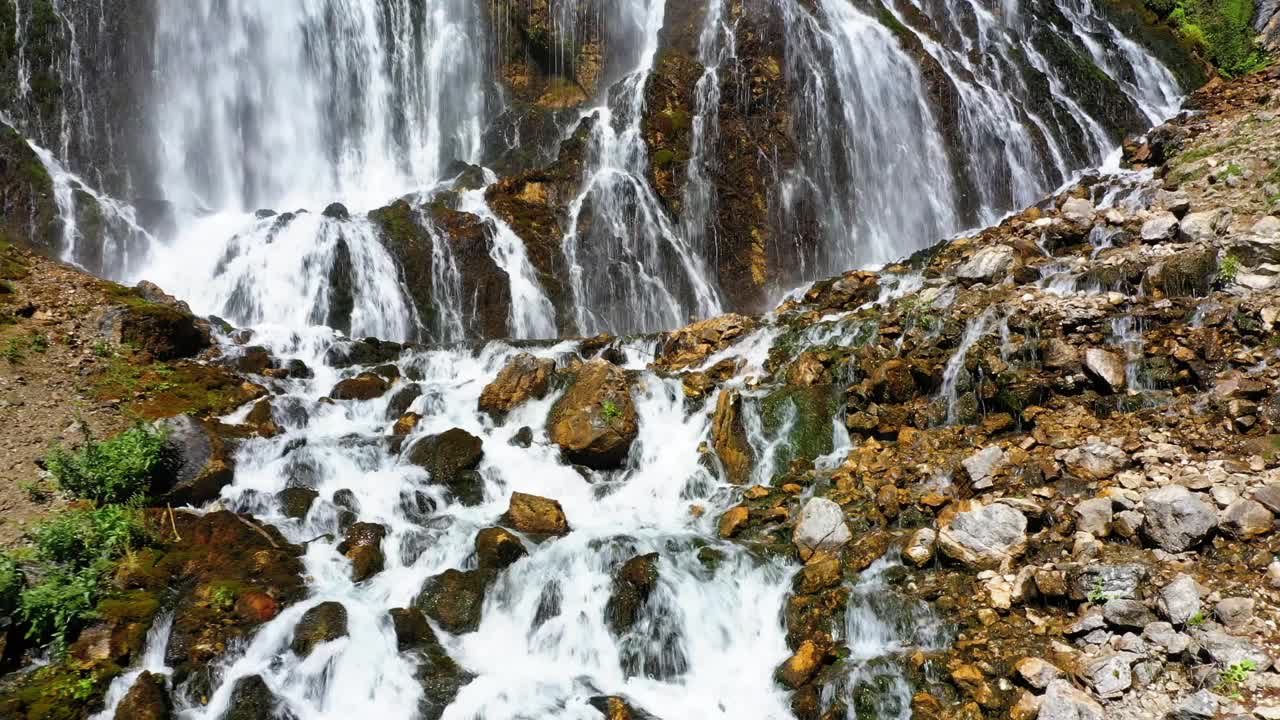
(632, 585)
(497, 548)
(363, 547)
(989, 264)
(618, 708)
(1245, 519)
(985, 536)
(251, 699)
(1037, 673)
(694, 343)
(536, 515)
(733, 520)
(147, 699)
(296, 502)
(451, 458)
(1176, 519)
(802, 665)
(1106, 368)
(595, 422)
(322, 623)
(729, 437)
(1094, 516)
(524, 378)
(455, 599)
(821, 527)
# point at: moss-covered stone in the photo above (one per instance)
(805, 414)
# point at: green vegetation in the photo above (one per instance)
(222, 598)
(610, 411)
(1097, 594)
(1218, 29)
(1234, 677)
(1196, 620)
(1228, 269)
(113, 471)
(13, 350)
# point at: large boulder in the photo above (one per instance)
(201, 463)
(365, 386)
(525, 377)
(595, 422)
(1176, 519)
(363, 547)
(1062, 701)
(985, 537)
(162, 331)
(1244, 519)
(820, 528)
(251, 699)
(452, 458)
(147, 699)
(1106, 368)
(497, 548)
(729, 438)
(455, 598)
(322, 623)
(989, 264)
(632, 585)
(535, 515)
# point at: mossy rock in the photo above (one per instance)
(810, 435)
(454, 598)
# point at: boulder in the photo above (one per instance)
(595, 422)
(535, 515)
(451, 458)
(989, 264)
(919, 549)
(1179, 601)
(162, 331)
(1093, 460)
(1105, 368)
(632, 585)
(821, 527)
(524, 378)
(251, 699)
(1161, 228)
(363, 547)
(798, 669)
(411, 628)
(1037, 673)
(1114, 581)
(147, 699)
(1062, 701)
(1176, 519)
(1094, 516)
(322, 623)
(729, 438)
(1079, 211)
(497, 548)
(1110, 674)
(455, 599)
(296, 502)
(985, 537)
(201, 463)
(1125, 613)
(981, 466)
(1234, 612)
(1200, 705)
(1228, 650)
(694, 343)
(1205, 226)
(401, 400)
(1244, 519)
(365, 386)
(733, 520)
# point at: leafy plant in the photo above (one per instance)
(35, 490)
(13, 350)
(1097, 594)
(115, 470)
(223, 598)
(1196, 620)
(10, 584)
(1234, 677)
(1220, 29)
(1228, 269)
(39, 343)
(78, 537)
(610, 411)
(103, 349)
(62, 599)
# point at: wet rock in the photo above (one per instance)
(694, 343)
(1078, 211)
(455, 599)
(1111, 674)
(821, 527)
(822, 571)
(337, 211)
(733, 520)
(251, 699)
(497, 548)
(1127, 613)
(322, 623)
(919, 549)
(1200, 705)
(363, 547)
(1161, 228)
(985, 537)
(798, 669)
(401, 400)
(729, 437)
(1062, 701)
(988, 264)
(1186, 274)
(365, 386)
(296, 502)
(523, 437)
(411, 628)
(1176, 519)
(524, 378)
(451, 458)
(202, 463)
(1244, 519)
(1179, 601)
(535, 515)
(632, 585)
(1037, 673)
(369, 351)
(618, 708)
(161, 331)
(1094, 516)
(1056, 354)
(981, 466)
(147, 699)
(1106, 368)
(595, 422)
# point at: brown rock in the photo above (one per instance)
(729, 438)
(525, 377)
(497, 548)
(692, 344)
(594, 423)
(365, 386)
(819, 573)
(536, 515)
(802, 666)
(363, 547)
(733, 520)
(147, 699)
(972, 682)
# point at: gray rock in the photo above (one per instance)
(1062, 701)
(1094, 517)
(985, 536)
(982, 466)
(1037, 673)
(1180, 600)
(1163, 635)
(1227, 650)
(1078, 210)
(1161, 228)
(1176, 519)
(1269, 496)
(821, 526)
(1106, 368)
(203, 463)
(1200, 705)
(1205, 226)
(1267, 227)
(919, 549)
(1245, 519)
(1234, 611)
(1126, 524)
(1145, 672)
(1115, 581)
(1127, 613)
(1090, 621)
(1110, 675)
(988, 264)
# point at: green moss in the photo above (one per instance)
(133, 605)
(813, 407)
(1220, 29)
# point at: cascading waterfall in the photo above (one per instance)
(716, 49)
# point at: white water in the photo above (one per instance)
(976, 329)
(152, 662)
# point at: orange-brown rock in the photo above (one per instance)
(524, 378)
(733, 520)
(692, 344)
(729, 438)
(595, 422)
(536, 515)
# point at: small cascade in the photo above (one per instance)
(769, 448)
(156, 642)
(976, 329)
(717, 48)
(630, 268)
(1126, 334)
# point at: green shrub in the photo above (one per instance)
(10, 585)
(62, 600)
(79, 537)
(1220, 29)
(116, 470)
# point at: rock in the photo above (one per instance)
(536, 515)
(1093, 460)
(202, 463)
(1026, 707)
(1189, 273)
(1206, 226)
(147, 699)
(1094, 516)
(1127, 613)
(524, 378)
(1059, 355)
(296, 502)
(1161, 228)
(985, 537)
(632, 585)
(1110, 675)
(411, 628)
(981, 466)
(919, 550)
(365, 386)
(497, 548)
(163, 332)
(802, 666)
(595, 422)
(1228, 650)
(1176, 519)
(733, 521)
(336, 211)
(729, 437)
(618, 708)
(1245, 519)
(251, 699)
(1078, 210)
(1164, 636)
(1114, 581)
(694, 343)
(973, 683)
(819, 573)
(1062, 701)
(1127, 524)
(451, 458)
(401, 400)
(322, 623)
(1179, 601)
(1037, 673)
(1106, 368)
(988, 264)
(363, 547)
(455, 599)
(1234, 611)
(1269, 496)
(1200, 705)
(821, 527)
